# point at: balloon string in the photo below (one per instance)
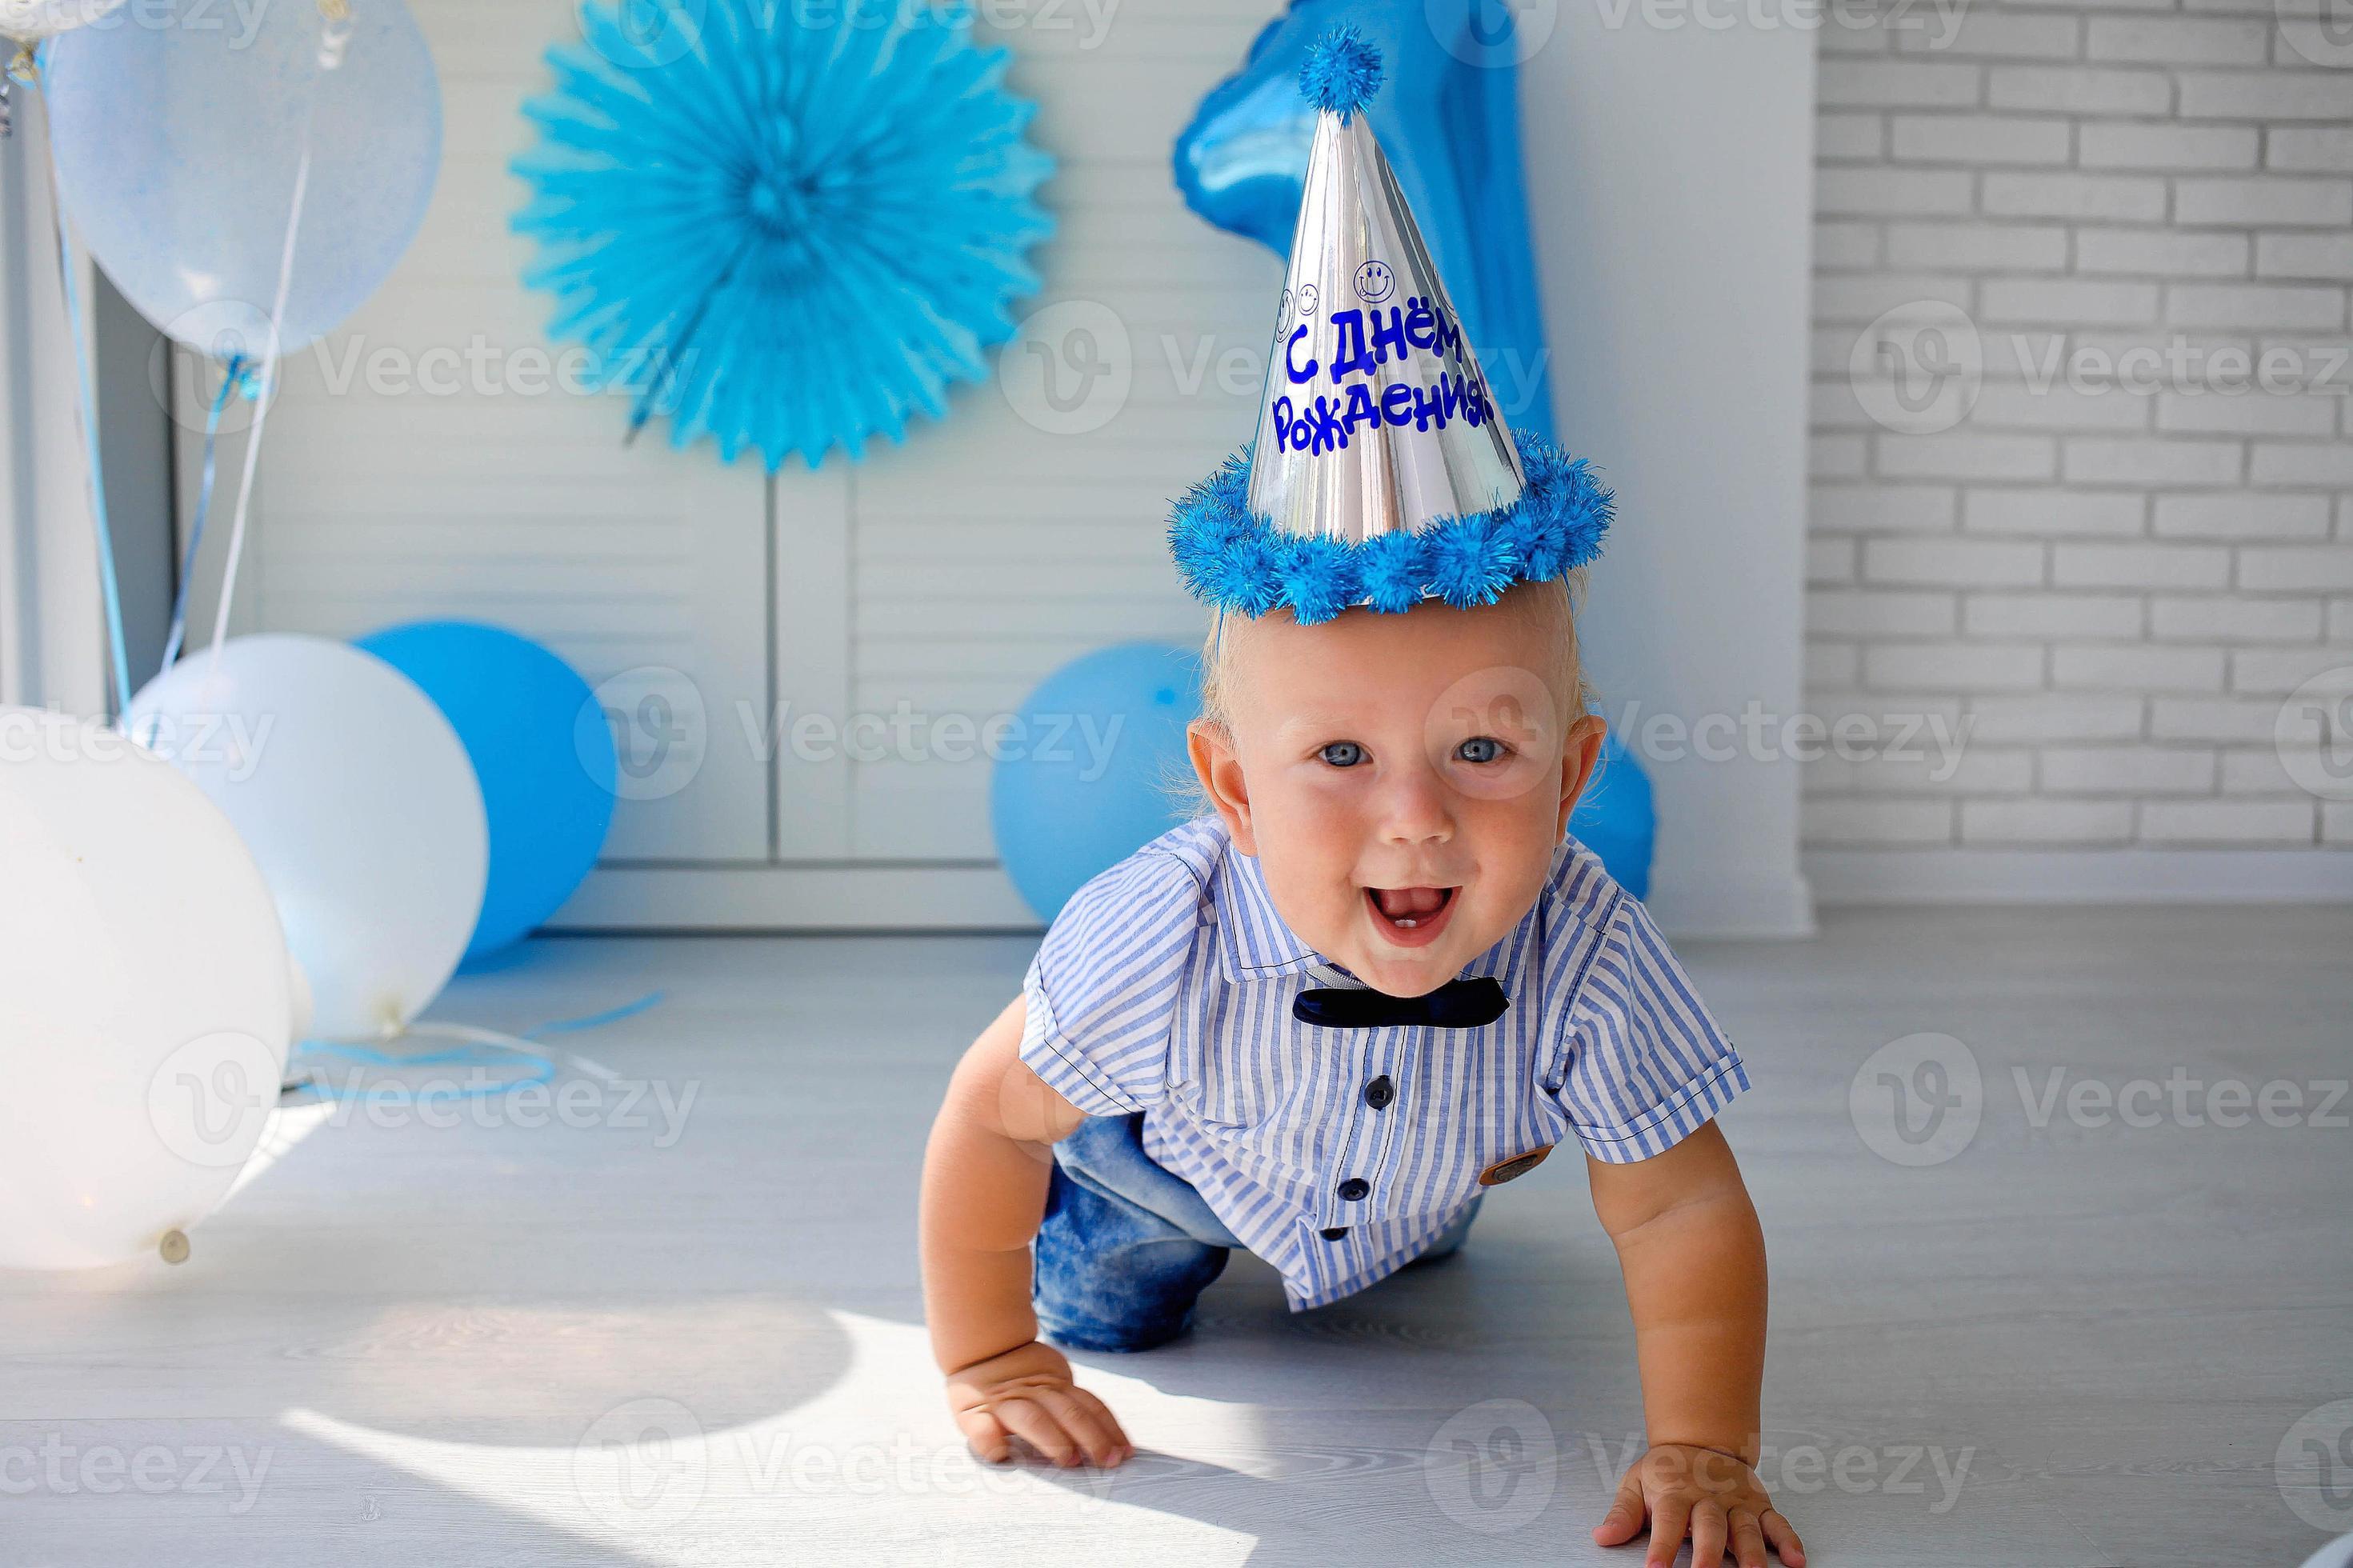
(541, 1066)
(237, 375)
(473, 1040)
(80, 328)
(268, 387)
(335, 28)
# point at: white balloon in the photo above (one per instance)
(2338, 1553)
(34, 19)
(357, 797)
(298, 986)
(144, 1002)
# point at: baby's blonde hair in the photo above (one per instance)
(1553, 604)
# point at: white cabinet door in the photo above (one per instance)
(426, 461)
(1027, 528)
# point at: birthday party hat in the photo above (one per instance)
(1382, 473)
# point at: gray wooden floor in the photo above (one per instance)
(627, 1326)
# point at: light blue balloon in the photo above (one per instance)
(1097, 769)
(1447, 116)
(513, 705)
(1616, 819)
(177, 131)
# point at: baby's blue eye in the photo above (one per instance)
(1481, 749)
(1343, 753)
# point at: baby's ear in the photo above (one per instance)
(1221, 772)
(1580, 752)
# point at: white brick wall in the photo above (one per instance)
(2107, 540)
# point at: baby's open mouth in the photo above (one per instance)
(1411, 915)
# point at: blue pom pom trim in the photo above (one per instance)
(1342, 73)
(1236, 561)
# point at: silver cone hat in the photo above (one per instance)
(1381, 475)
(1375, 417)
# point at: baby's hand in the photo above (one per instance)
(1713, 1496)
(1026, 1393)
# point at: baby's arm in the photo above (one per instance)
(985, 1178)
(1693, 1258)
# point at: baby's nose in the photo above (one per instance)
(1415, 810)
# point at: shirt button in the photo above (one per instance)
(1380, 1092)
(1355, 1189)
(1335, 1234)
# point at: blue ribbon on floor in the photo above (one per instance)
(485, 1050)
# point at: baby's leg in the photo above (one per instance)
(1111, 1275)
(1458, 1231)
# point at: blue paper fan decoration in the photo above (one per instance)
(780, 231)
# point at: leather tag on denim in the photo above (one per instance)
(1518, 1165)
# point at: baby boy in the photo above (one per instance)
(1376, 977)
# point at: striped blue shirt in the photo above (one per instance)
(1166, 987)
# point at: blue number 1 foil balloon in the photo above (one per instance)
(1449, 115)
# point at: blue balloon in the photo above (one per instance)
(177, 140)
(549, 799)
(1616, 819)
(1448, 115)
(1100, 771)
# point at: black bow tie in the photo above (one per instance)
(1457, 1004)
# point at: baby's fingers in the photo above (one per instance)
(1747, 1539)
(1707, 1531)
(1624, 1519)
(1035, 1425)
(1784, 1539)
(1086, 1418)
(985, 1434)
(1670, 1517)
